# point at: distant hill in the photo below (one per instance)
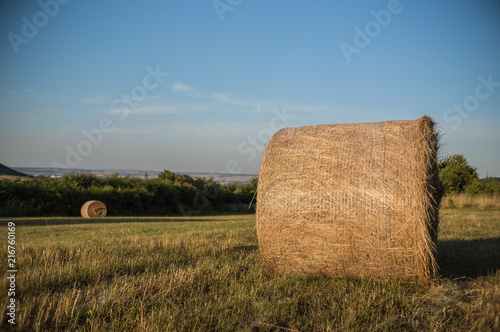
(4, 170)
(141, 174)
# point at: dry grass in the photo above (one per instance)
(206, 274)
(467, 201)
(351, 199)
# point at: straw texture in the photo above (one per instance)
(351, 199)
(93, 209)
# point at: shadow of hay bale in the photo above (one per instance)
(468, 258)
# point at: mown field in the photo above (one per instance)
(205, 274)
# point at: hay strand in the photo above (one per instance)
(93, 209)
(351, 199)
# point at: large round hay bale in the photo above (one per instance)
(351, 199)
(93, 209)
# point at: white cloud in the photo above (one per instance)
(181, 87)
(220, 97)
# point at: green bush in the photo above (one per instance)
(488, 185)
(459, 177)
(455, 173)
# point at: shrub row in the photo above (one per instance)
(169, 194)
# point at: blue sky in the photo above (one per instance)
(84, 83)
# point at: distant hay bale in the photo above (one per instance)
(93, 209)
(351, 200)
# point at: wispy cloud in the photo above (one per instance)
(181, 87)
(189, 91)
(37, 95)
(157, 109)
(223, 98)
(218, 97)
(94, 100)
(202, 106)
(53, 99)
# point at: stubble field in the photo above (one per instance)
(205, 274)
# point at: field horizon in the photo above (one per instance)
(135, 173)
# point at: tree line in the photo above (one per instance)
(169, 194)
